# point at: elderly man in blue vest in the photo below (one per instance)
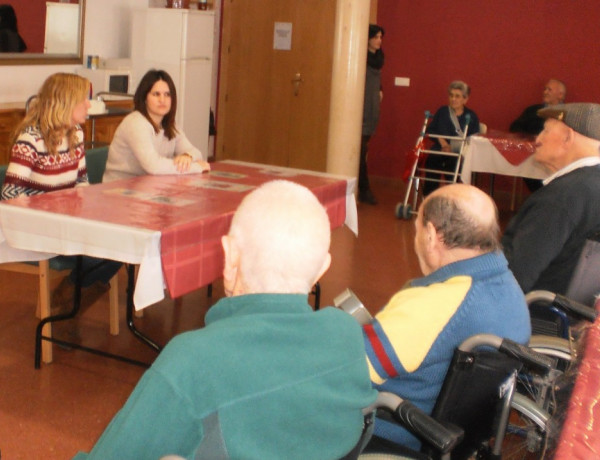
(467, 289)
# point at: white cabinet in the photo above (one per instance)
(180, 42)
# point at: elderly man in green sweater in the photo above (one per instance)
(267, 378)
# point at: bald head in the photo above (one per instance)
(278, 241)
(555, 92)
(464, 217)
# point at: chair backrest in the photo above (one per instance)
(584, 286)
(95, 160)
(585, 282)
(471, 398)
(3, 169)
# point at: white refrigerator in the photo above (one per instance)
(179, 41)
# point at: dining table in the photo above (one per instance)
(168, 226)
(503, 153)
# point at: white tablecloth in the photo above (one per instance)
(44, 236)
(481, 156)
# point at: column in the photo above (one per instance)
(348, 86)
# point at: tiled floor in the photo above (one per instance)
(53, 412)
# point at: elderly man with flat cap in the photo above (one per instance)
(544, 240)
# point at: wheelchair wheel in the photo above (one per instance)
(403, 211)
(529, 431)
(546, 391)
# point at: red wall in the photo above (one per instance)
(504, 49)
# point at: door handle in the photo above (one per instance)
(296, 81)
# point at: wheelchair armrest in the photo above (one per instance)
(442, 436)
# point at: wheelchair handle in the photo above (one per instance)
(564, 303)
(575, 307)
(531, 359)
(351, 304)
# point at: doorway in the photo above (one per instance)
(274, 103)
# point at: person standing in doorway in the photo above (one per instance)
(373, 96)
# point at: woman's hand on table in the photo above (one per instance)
(183, 162)
(205, 165)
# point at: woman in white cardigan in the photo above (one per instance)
(147, 141)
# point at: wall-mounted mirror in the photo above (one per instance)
(41, 31)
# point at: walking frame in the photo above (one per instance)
(419, 172)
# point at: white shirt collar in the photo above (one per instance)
(582, 163)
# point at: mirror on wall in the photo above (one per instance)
(41, 31)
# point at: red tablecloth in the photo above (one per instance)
(191, 251)
(191, 212)
(515, 148)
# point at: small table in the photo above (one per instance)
(503, 153)
(171, 226)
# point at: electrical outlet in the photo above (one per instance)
(402, 81)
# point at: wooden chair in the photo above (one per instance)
(47, 270)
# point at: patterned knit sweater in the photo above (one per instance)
(33, 171)
(411, 341)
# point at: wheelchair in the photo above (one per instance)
(474, 414)
(559, 324)
(553, 314)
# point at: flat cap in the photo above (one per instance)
(583, 117)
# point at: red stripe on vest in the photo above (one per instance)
(380, 351)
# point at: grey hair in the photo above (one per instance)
(458, 227)
(461, 86)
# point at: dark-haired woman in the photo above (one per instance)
(373, 96)
(147, 141)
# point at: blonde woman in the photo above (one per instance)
(47, 152)
(48, 155)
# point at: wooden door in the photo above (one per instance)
(263, 115)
